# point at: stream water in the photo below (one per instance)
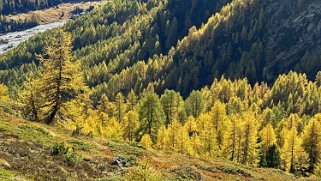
(16, 38)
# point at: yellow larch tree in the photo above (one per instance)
(249, 146)
(292, 151)
(130, 123)
(312, 141)
(146, 141)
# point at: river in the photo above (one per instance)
(16, 38)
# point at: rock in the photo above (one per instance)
(121, 162)
(117, 161)
(4, 164)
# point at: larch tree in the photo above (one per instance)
(151, 114)
(61, 80)
(130, 124)
(312, 141)
(106, 106)
(184, 140)
(30, 100)
(162, 138)
(172, 134)
(268, 139)
(231, 148)
(210, 147)
(219, 121)
(4, 96)
(120, 107)
(249, 147)
(291, 152)
(194, 104)
(195, 145)
(146, 141)
(203, 122)
(114, 130)
(131, 100)
(267, 136)
(91, 126)
(190, 126)
(173, 104)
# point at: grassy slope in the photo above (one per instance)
(25, 154)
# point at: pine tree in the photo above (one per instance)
(61, 80)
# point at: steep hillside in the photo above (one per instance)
(254, 39)
(118, 35)
(31, 151)
(151, 90)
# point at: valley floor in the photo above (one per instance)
(58, 13)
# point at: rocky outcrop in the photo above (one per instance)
(292, 35)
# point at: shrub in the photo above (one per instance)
(61, 149)
(143, 172)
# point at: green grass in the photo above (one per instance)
(6, 175)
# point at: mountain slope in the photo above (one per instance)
(127, 44)
(255, 39)
(27, 153)
(119, 35)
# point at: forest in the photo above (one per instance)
(7, 25)
(261, 126)
(116, 42)
(16, 6)
(207, 79)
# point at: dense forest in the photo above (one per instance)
(182, 76)
(276, 127)
(131, 25)
(116, 42)
(17, 6)
(7, 25)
